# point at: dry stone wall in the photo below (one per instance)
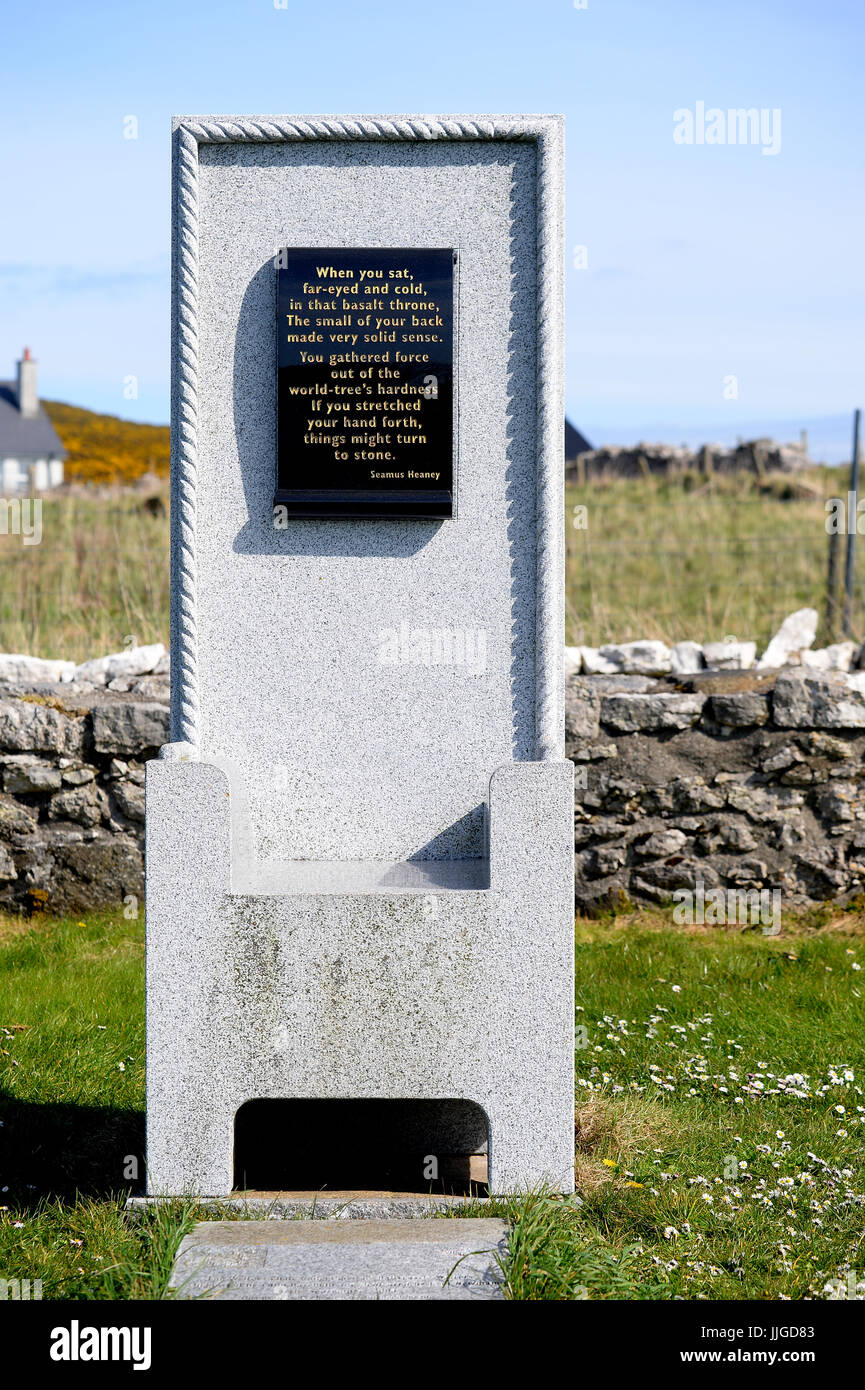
(72, 760)
(732, 780)
(759, 456)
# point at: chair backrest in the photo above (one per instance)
(366, 676)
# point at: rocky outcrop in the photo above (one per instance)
(72, 790)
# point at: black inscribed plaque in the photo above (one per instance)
(365, 383)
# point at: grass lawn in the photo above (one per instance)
(697, 559)
(719, 1115)
(98, 576)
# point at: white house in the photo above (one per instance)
(31, 454)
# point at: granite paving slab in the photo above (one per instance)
(392, 1260)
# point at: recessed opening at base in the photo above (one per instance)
(418, 1146)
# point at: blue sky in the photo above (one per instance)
(705, 262)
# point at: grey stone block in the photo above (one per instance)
(795, 635)
(646, 658)
(687, 873)
(828, 746)
(78, 776)
(613, 683)
(31, 727)
(16, 819)
(686, 658)
(36, 777)
(8, 872)
(739, 710)
(129, 728)
(582, 709)
(631, 714)
(730, 655)
(736, 836)
(591, 752)
(459, 1259)
(804, 699)
(660, 845)
(605, 860)
(130, 799)
(782, 759)
(763, 803)
(84, 804)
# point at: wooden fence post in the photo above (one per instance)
(847, 617)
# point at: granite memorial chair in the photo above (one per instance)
(360, 840)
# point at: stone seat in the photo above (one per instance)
(427, 979)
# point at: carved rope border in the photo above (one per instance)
(547, 134)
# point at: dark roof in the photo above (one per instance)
(20, 438)
(575, 443)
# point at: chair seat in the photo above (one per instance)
(366, 876)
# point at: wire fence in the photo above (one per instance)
(649, 562)
(645, 558)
